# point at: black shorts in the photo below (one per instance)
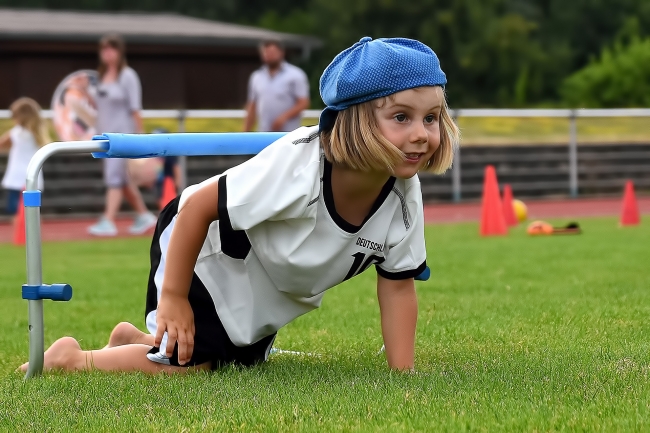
(211, 342)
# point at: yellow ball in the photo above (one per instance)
(521, 211)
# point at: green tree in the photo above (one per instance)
(490, 55)
(620, 77)
(495, 52)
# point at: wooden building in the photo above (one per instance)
(183, 62)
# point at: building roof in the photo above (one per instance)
(138, 27)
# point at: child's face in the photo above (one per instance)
(411, 121)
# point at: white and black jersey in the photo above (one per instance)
(279, 242)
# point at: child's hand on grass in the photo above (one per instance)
(175, 316)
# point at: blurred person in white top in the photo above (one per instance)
(278, 92)
(119, 101)
(28, 134)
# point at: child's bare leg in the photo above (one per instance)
(66, 354)
(126, 333)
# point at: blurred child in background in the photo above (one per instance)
(24, 139)
(170, 168)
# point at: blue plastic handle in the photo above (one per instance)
(425, 275)
(184, 144)
(55, 292)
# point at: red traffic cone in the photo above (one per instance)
(508, 210)
(492, 220)
(630, 212)
(19, 223)
(168, 192)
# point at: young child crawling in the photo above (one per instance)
(240, 255)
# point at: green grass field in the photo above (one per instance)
(514, 334)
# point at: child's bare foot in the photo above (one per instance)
(125, 333)
(64, 354)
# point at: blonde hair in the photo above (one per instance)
(356, 142)
(27, 113)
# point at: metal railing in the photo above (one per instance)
(570, 114)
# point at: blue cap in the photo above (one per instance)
(372, 69)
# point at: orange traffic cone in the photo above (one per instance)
(168, 192)
(492, 220)
(508, 210)
(19, 224)
(630, 212)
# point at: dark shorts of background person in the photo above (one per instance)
(211, 342)
(13, 198)
(169, 165)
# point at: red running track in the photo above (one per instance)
(75, 229)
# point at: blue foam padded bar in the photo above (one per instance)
(424, 276)
(184, 144)
(55, 292)
(31, 198)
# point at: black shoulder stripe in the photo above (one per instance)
(305, 140)
(234, 243)
(222, 203)
(402, 201)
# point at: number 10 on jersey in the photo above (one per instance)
(361, 263)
